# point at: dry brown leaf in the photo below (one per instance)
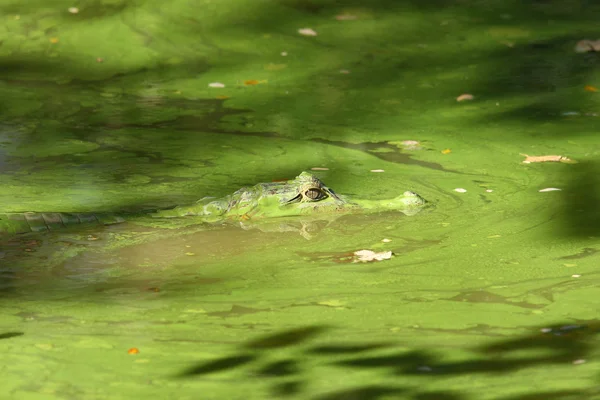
(464, 97)
(251, 82)
(589, 88)
(584, 46)
(369, 255)
(552, 158)
(307, 32)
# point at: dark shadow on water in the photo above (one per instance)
(580, 197)
(560, 344)
(10, 335)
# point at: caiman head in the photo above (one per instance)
(307, 195)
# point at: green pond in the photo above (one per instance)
(128, 105)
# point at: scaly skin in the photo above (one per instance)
(304, 195)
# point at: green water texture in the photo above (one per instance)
(491, 294)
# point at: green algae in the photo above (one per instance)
(117, 114)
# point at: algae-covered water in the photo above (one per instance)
(115, 105)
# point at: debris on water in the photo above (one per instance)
(54, 40)
(579, 361)
(570, 113)
(546, 330)
(465, 97)
(460, 190)
(386, 240)
(284, 53)
(73, 10)
(446, 151)
(552, 158)
(489, 190)
(99, 59)
(549, 190)
(410, 145)
(344, 71)
(369, 255)
(319, 169)
(590, 88)
(346, 17)
(584, 46)
(251, 82)
(92, 237)
(307, 32)
(576, 276)
(133, 350)
(377, 170)
(216, 85)
(189, 253)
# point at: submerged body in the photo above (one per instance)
(304, 195)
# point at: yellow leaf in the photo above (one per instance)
(446, 151)
(54, 40)
(250, 82)
(589, 88)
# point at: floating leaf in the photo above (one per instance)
(307, 32)
(464, 97)
(319, 169)
(251, 82)
(54, 40)
(216, 85)
(549, 190)
(410, 144)
(133, 350)
(369, 255)
(460, 190)
(552, 158)
(446, 151)
(377, 170)
(222, 97)
(589, 88)
(73, 10)
(584, 46)
(99, 59)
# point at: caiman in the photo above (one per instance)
(304, 195)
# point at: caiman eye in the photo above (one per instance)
(314, 194)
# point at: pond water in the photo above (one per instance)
(115, 105)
